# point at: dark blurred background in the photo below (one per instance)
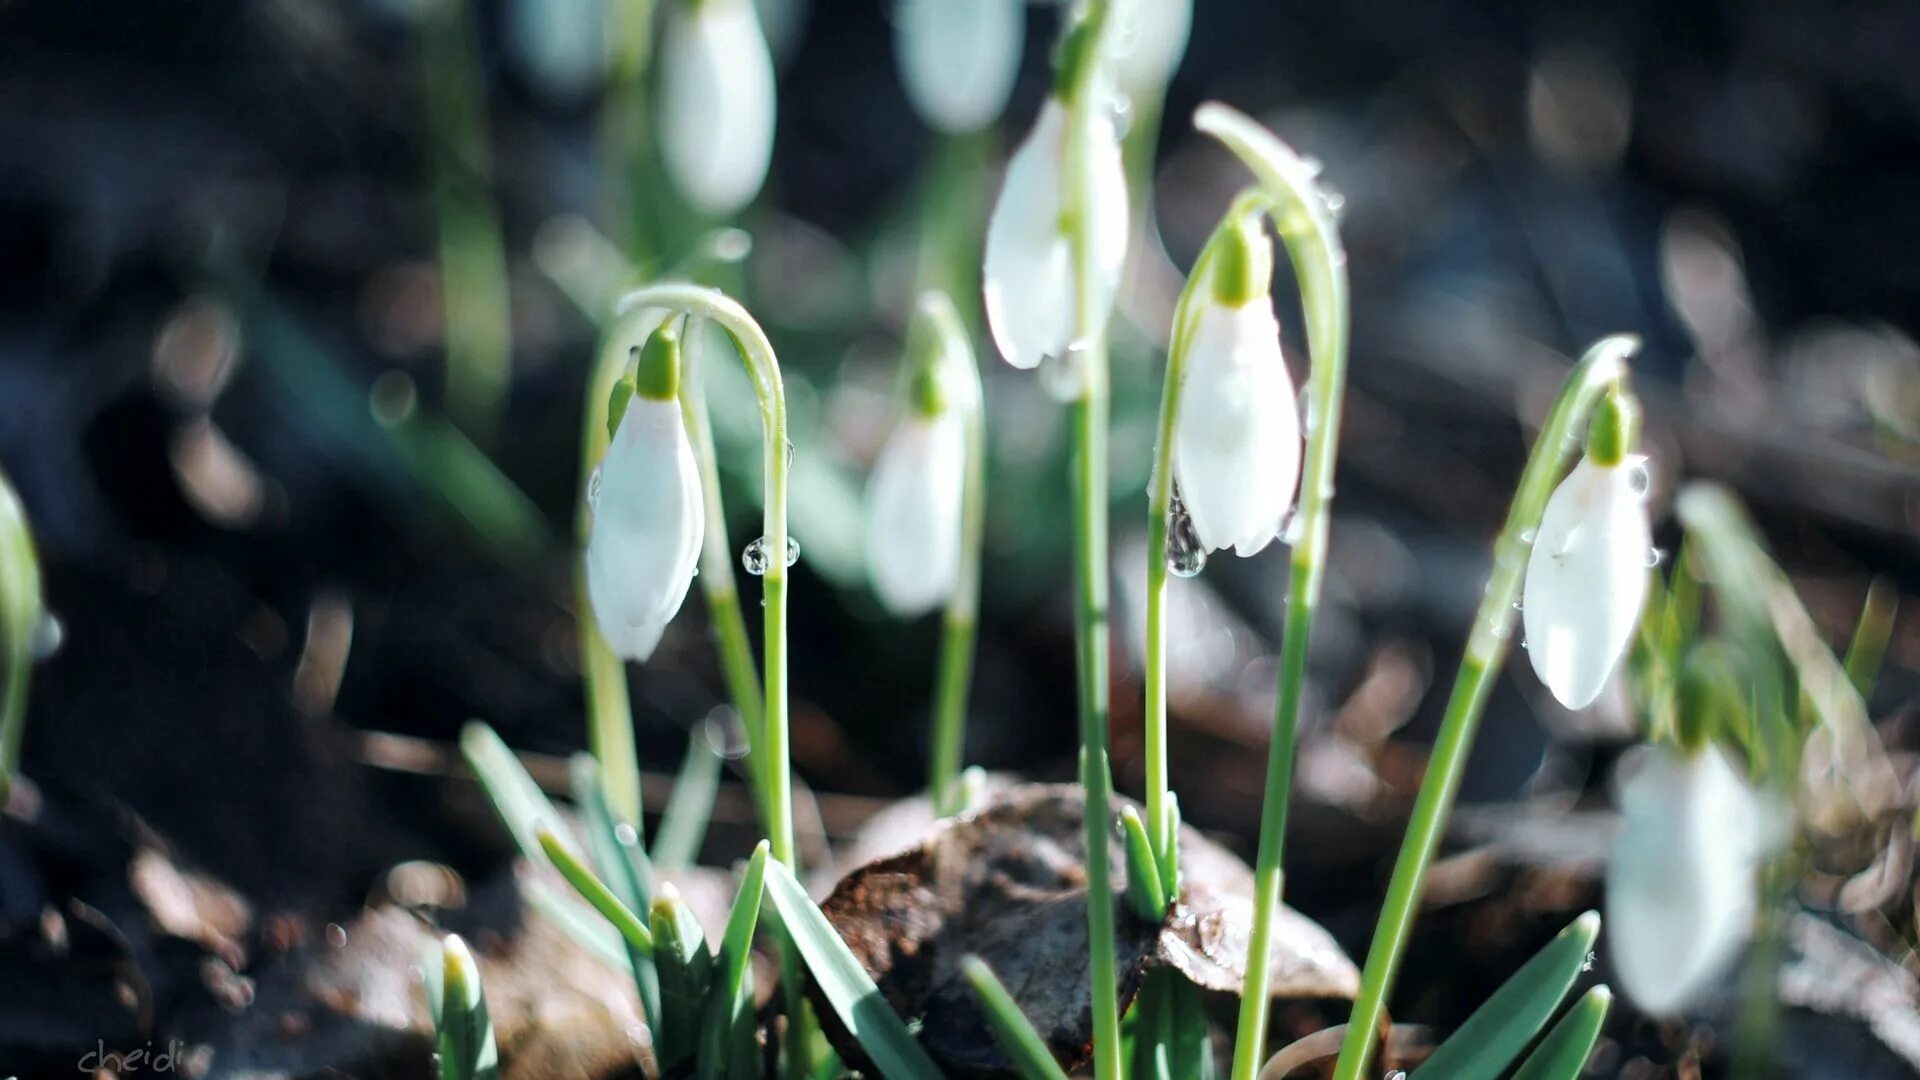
(223, 399)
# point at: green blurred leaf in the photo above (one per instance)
(622, 864)
(683, 826)
(579, 922)
(686, 969)
(1143, 869)
(1023, 1045)
(1870, 636)
(730, 998)
(521, 803)
(20, 614)
(845, 984)
(595, 892)
(1498, 1031)
(465, 1030)
(1563, 1054)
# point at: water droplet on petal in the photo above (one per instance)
(1639, 479)
(1655, 556)
(1313, 165)
(756, 559)
(48, 635)
(626, 835)
(593, 487)
(1529, 536)
(1064, 376)
(789, 455)
(1186, 555)
(1120, 113)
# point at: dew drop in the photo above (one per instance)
(1501, 629)
(1655, 557)
(336, 935)
(626, 835)
(1336, 202)
(1120, 113)
(1529, 536)
(1523, 644)
(1292, 528)
(593, 487)
(1313, 165)
(1639, 480)
(1064, 376)
(1304, 406)
(48, 635)
(1185, 554)
(755, 558)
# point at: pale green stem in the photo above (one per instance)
(763, 367)
(1559, 441)
(20, 614)
(958, 628)
(624, 124)
(472, 256)
(1305, 220)
(717, 582)
(1159, 820)
(1089, 422)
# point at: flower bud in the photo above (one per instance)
(648, 518)
(958, 58)
(716, 103)
(914, 500)
(1236, 441)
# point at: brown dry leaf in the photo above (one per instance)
(1007, 883)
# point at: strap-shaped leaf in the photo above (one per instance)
(1023, 1045)
(730, 997)
(845, 984)
(622, 863)
(1495, 1035)
(1144, 890)
(521, 803)
(1563, 1054)
(595, 892)
(683, 826)
(686, 969)
(465, 1031)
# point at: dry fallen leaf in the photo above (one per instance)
(1007, 883)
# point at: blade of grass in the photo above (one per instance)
(1493, 1037)
(845, 984)
(1563, 1054)
(1144, 892)
(686, 972)
(728, 999)
(683, 826)
(520, 802)
(595, 892)
(623, 865)
(1011, 1027)
(1870, 636)
(580, 923)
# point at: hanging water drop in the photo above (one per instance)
(593, 488)
(1639, 479)
(756, 560)
(1186, 556)
(1655, 557)
(1120, 114)
(789, 455)
(1528, 536)
(1064, 376)
(48, 635)
(1313, 165)
(1293, 528)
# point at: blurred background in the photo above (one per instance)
(305, 503)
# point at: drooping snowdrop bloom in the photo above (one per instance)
(958, 58)
(1587, 574)
(1029, 273)
(648, 518)
(716, 103)
(1681, 883)
(1236, 441)
(915, 499)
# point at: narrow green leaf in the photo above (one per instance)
(20, 614)
(595, 892)
(685, 969)
(579, 922)
(730, 995)
(1152, 1028)
(1495, 1034)
(1169, 850)
(1870, 636)
(1192, 1052)
(845, 984)
(1012, 1028)
(1563, 1054)
(1143, 869)
(520, 802)
(683, 827)
(623, 865)
(465, 1031)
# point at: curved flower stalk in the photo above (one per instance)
(958, 59)
(1064, 184)
(1681, 885)
(1598, 373)
(647, 515)
(20, 615)
(716, 103)
(1587, 574)
(925, 511)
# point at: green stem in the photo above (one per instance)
(955, 671)
(623, 125)
(763, 367)
(1558, 442)
(1305, 219)
(20, 614)
(717, 581)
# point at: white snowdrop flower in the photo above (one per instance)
(1236, 441)
(915, 498)
(648, 518)
(1681, 884)
(716, 103)
(1028, 277)
(1153, 39)
(1587, 574)
(958, 58)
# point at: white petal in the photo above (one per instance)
(1587, 579)
(913, 513)
(1680, 886)
(1236, 447)
(647, 528)
(1154, 42)
(716, 104)
(958, 58)
(1028, 276)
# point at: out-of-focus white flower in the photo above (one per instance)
(1236, 441)
(648, 518)
(559, 44)
(913, 512)
(1587, 577)
(1681, 884)
(716, 103)
(958, 58)
(1029, 278)
(1153, 38)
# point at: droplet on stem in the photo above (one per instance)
(1185, 555)
(755, 558)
